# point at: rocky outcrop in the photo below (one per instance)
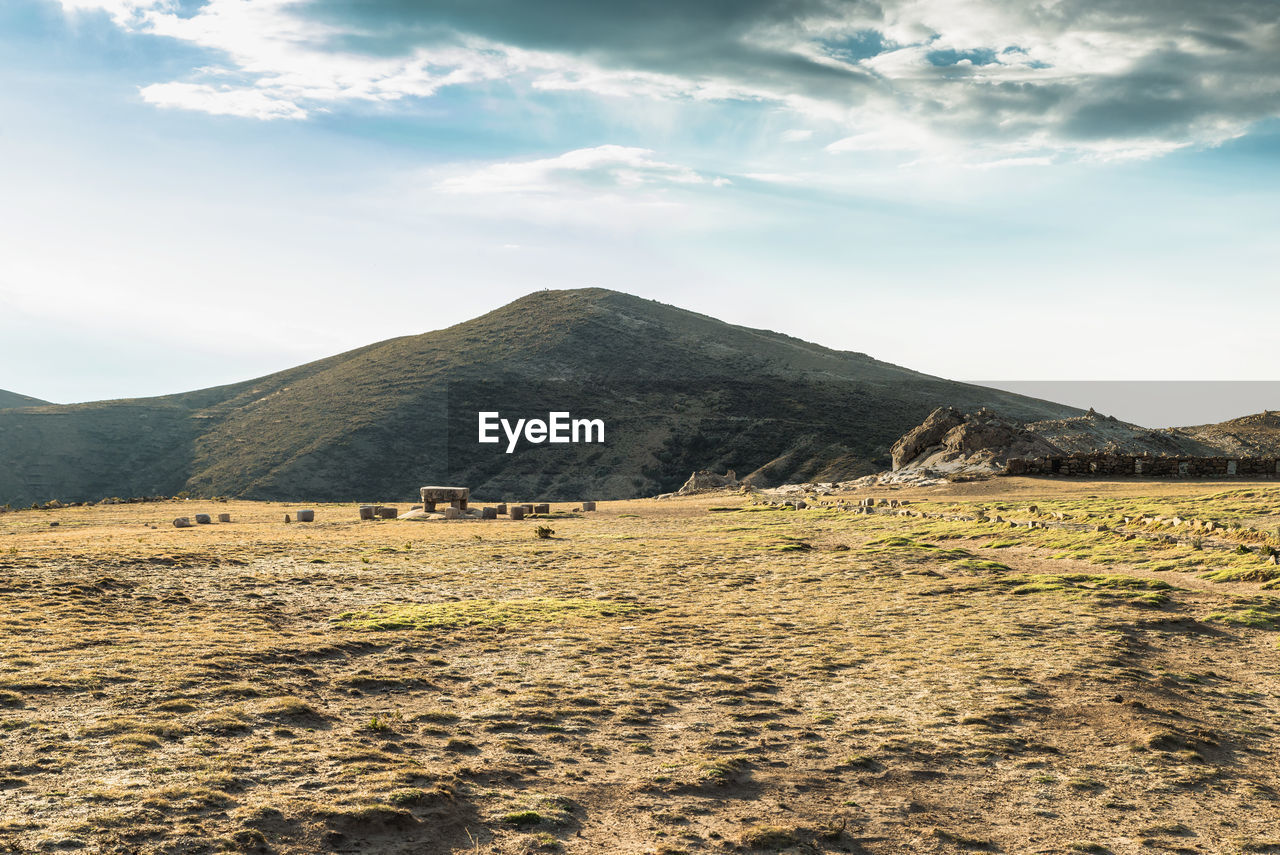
(705, 479)
(925, 436)
(951, 442)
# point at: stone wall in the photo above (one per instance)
(1121, 465)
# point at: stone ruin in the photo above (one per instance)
(1145, 466)
(459, 507)
(457, 497)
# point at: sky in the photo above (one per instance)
(196, 193)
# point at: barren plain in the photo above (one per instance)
(705, 674)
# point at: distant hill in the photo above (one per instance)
(677, 390)
(1257, 435)
(953, 442)
(9, 400)
(1248, 436)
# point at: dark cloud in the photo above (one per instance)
(1108, 69)
(704, 39)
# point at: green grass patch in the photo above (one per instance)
(1152, 592)
(1258, 613)
(979, 566)
(1265, 573)
(786, 544)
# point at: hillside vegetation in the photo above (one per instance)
(9, 400)
(677, 391)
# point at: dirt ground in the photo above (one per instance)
(709, 674)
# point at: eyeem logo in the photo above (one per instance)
(558, 427)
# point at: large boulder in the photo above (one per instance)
(926, 435)
(705, 479)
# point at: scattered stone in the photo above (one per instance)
(588, 506)
(203, 519)
(387, 512)
(306, 516)
(542, 509)
(182, 522)
(224, 518)
(452, 513)
(517, 512)
(366, 512)
(502, 508)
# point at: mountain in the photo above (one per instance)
(677, 391)
(9, 400)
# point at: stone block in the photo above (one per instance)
(182, 522)
(588, 506)
(517, 512)
(488, 513)
(203, 519)
(452, 513)
(387, 512)
(543, 508)
(306, 516)
(456, 497)
(224, 517)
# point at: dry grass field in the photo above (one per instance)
(694, 675)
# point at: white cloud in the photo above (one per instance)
(600, 169)
(228, 101)
(1006, 162)
(281, 63)
(797, 135)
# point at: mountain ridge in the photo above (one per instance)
(12, 400)
(679, 391)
